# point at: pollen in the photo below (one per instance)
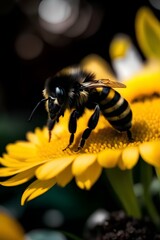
(56, 147)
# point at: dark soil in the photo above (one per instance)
(118, 226)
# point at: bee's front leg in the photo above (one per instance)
(50, 125)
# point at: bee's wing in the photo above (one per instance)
(111, 83)
(103, 83)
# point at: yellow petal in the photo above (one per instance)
(64, 177)
(147, 29)
(97, 64)
(36, 188)
(89, 176)
(21, 150)
(119, 46)
(129, 158)
(11, 162)
(42, 135)
(150, 152)
(19, 178)
(82, 163)
(9, 171)
(33, 138)
(135, 85)
(109, 158)
(6, 172)
(53, 168)
(10, 229)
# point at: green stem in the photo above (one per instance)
(146, 179)
(122, 184)
(71, 236)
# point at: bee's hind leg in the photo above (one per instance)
(129, 135)
(72, 127)
(92, 123)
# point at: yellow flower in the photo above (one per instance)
(105, 148)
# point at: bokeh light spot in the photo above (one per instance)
(155, 3)
(56, 16)
(53, 218)
(54, 11)
(28, 46)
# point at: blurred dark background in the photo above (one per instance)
(35, 43)
(30, 52)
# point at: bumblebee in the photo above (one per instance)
(76, 89)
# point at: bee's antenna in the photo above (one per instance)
(42, 100)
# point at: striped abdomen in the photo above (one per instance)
(115, 109)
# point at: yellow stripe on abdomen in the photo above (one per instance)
(109, 97)
(115, 107)
(120, 116)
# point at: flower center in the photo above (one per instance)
(146, 124)
(144, 97)
(145, 127)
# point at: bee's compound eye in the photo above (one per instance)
(59, 94)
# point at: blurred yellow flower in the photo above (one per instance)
(10, 229)
(105, 148)
(147, 29)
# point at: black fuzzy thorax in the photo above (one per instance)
(68, 81)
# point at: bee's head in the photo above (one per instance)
(56, 107)
(56, 101)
